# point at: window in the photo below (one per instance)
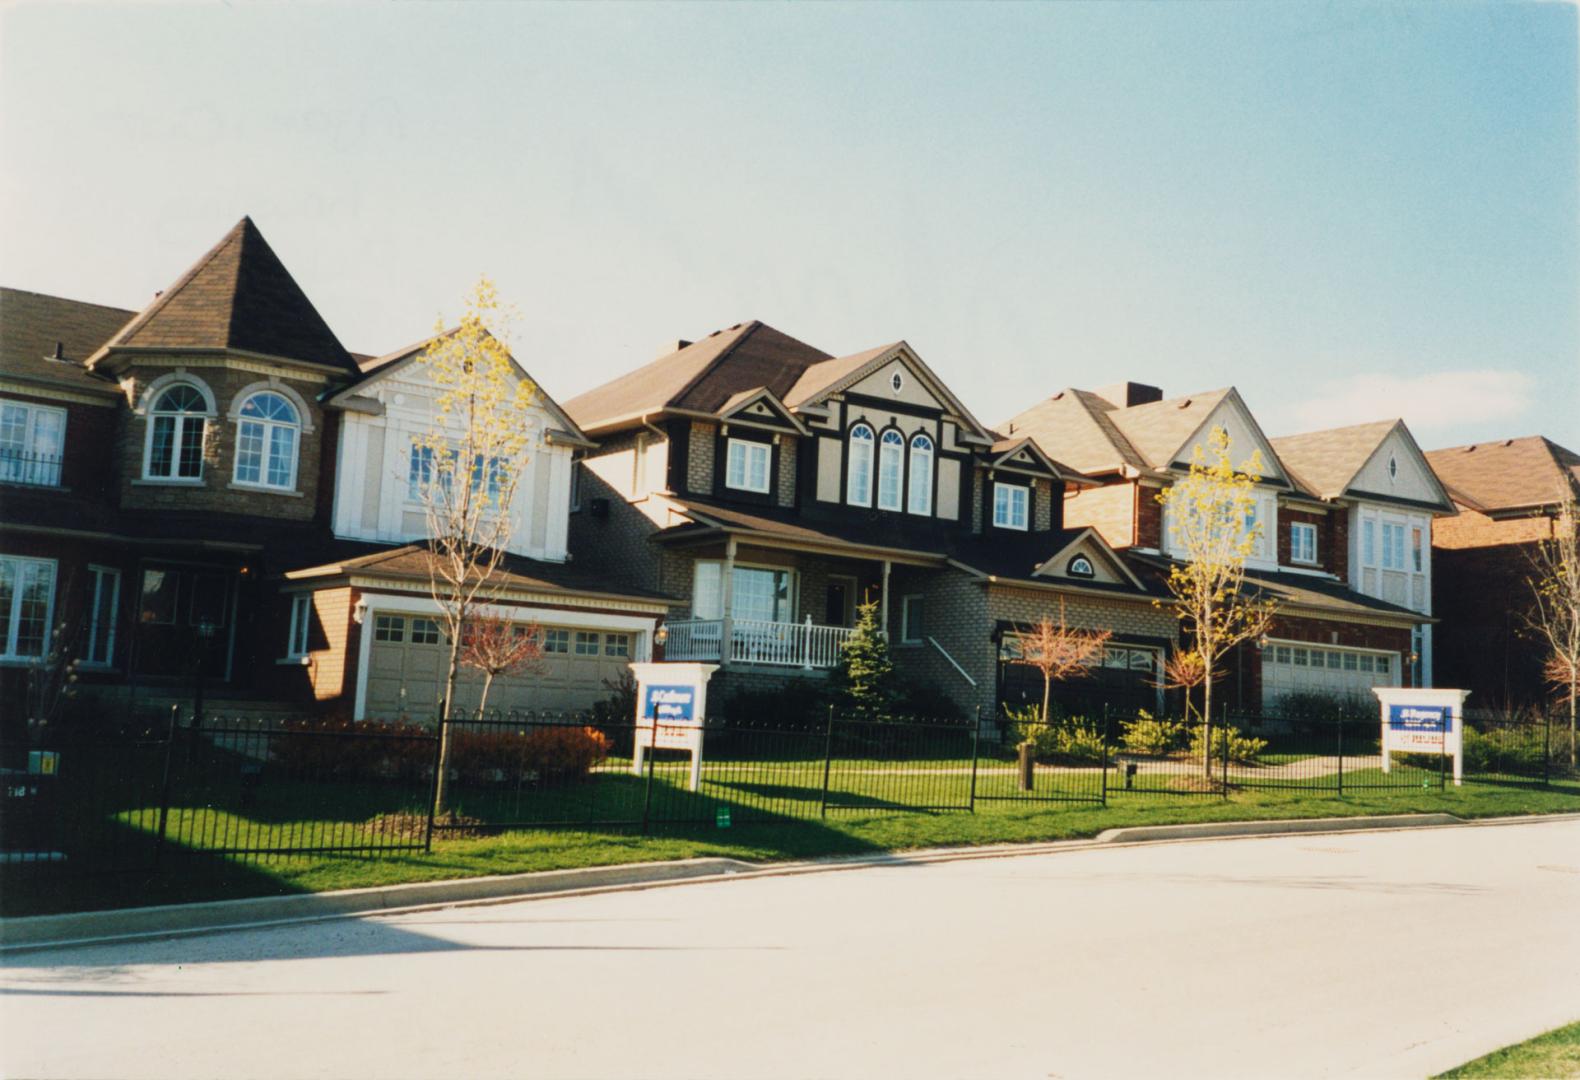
(1367, 663)
(104, 596)
(1383, 665)
(858, 480)
(266, 440)
(1300, 657)
(1303, 543)
(1081, 567)
(1393, 467)
(1392, 546)
(1369, 542)
(921, 501)
(756, 593)
(1351, 662)
(301, 619)
(576, 484)
(425, 632)
(31, 440)
(617, 644)
(1281, 654)
(586, 643)
(1316, 658)
(158, 604)
(891, 470)
(911, 620)
(176, 425)
(1335, 661)
(557, 641)
(1009, 506)
(27, 591)
(746, 467)
(897, 381)
(389, 628)
(419, 473)
(1416, 553)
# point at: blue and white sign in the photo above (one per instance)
(1422, 720)
(675, 704)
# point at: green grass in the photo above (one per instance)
(774, 815)
(1552, 1056)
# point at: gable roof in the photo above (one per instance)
(1514, 474)
(1073, 426)
(1005, 452)
(237, 296)
(32, 323)
(833, 376)
(1159, 430)
(1325, 462)
(700, 377)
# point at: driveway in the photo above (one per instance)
(1386, 954)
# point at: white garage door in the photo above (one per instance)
(407, 659)
(1289, 668)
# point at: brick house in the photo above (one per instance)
(1506, 496)
(1329, 504)
(771, 487)
(166, 475)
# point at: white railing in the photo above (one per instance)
(757, 641)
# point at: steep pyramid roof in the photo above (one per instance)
(238, 296)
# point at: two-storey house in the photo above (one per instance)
(772, 487)
(1331, 637)
(1507, 498)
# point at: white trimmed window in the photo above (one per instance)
(27, 595)
(911, 620)
(763, 594)
(858, 479)
(176, 426)
(268, 432)
(1392, 546)
(746, 465)
(1302, 543)
(891, 470)
(32, 438)
(921, 498)
(301, 621)
(104, 596)
(1009, 506)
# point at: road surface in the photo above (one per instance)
(1386, 954)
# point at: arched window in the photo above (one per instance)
(266, 439)
(1081, 566)
(921, 501)
(176, 424)
(858, 479)
(891, 470)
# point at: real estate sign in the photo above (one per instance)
(1422, 720)
(671, 712)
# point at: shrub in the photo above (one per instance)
(1242, 748)
(541, 753)
(1146, 735)
(801, 705)
(336, 747)
(927, 702)
(1072, 741)
(1315, 705)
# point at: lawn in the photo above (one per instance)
(1555, 1056)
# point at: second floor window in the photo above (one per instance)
(1303, 543)
(31, 440)
(1392, 546)
(176, 425)
(1009, 506)
(858, 481)
(746, 467)
(891, 470)
(424, 468)
(921, 500)
(266, 442)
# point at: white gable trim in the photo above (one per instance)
(1273, 466)
(1091, 538)
(906, 355)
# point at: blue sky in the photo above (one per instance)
(1349, 211)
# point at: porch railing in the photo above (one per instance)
(757, 641)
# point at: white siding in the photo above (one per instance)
(949, 488)
(1411, 478)
(880, 384)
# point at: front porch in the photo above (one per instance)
(805, 645)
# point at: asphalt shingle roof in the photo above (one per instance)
(1325, 462)
(32, 323)
(1508, 475)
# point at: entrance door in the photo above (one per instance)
(185, 618)
(839, 609)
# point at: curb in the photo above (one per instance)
(184, 920)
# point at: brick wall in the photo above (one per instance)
(955, 614)
(615, 545)
(1149, 517)
(1042, 503)
(1469, 529)
(699, 458)
(788, 449)
(1332, 538)
(1110, 509)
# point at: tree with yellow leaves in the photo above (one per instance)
(1211, 517)
(466, 467)
(1554, 617)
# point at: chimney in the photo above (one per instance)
(1125, 394)
(671, 347)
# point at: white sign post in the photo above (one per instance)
(1423, 720)
(671, 710)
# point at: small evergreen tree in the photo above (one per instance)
(865, 676)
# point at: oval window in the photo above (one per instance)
(897, 381)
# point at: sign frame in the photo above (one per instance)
(671, 712)
(1422, 720)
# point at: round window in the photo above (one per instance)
(1081, 566)
(897, 380)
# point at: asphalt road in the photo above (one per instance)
(1386, 954)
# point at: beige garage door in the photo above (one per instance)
(1288, 668)
(407, 661)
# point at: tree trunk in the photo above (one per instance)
(441, 787)
(1206, 727)
(482, 705)
(1574, 700)
(1047, 688)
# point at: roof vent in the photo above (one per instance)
(672, 347)
(59, 355)
(1184, 404)
(1126, 395)
(1508, 442)
(1057, 396)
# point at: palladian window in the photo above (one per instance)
(858, 481)
(266, 441)
(921, 499)
(891, 470)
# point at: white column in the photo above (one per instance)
(727, 600)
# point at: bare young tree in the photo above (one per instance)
(1059, 652)
(1185, 670)
(1554, 617)
(496, 647)
(465, 468)
(1211, 518)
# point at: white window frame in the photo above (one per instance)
(1303, 551)
(30, 466)
(13, 618)
(742, 452)
(101, 574)
(862, 458)
(267, 428)
(707, 601)
(301, 623)
(179, 422)
(920, 498)
(891, 471)
(1004, 509)
(912, 635)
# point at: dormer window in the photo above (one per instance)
(267, 432)
(746, 466)
(1009, 506)
(891, 470)
(176, 426)
(858, 480)
(921, 500)
(1081, 567)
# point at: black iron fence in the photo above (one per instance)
(155, 797)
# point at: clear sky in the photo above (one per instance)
(1349, 211)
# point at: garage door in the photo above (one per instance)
(407, 659)
(1125, 680)
(1288, 668)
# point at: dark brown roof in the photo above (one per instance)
(877, 535)
(238, 296)
(701, 376)
(1325, 462)
(1508, 475)
(31, 324)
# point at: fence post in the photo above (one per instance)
(164, 787)
(1223, 726)
(652, 752)
(1108, 726)
(1547, 746)
(828, 760)
(976, 733)
(1341, 757)
(433, 785)
(1442, 752)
